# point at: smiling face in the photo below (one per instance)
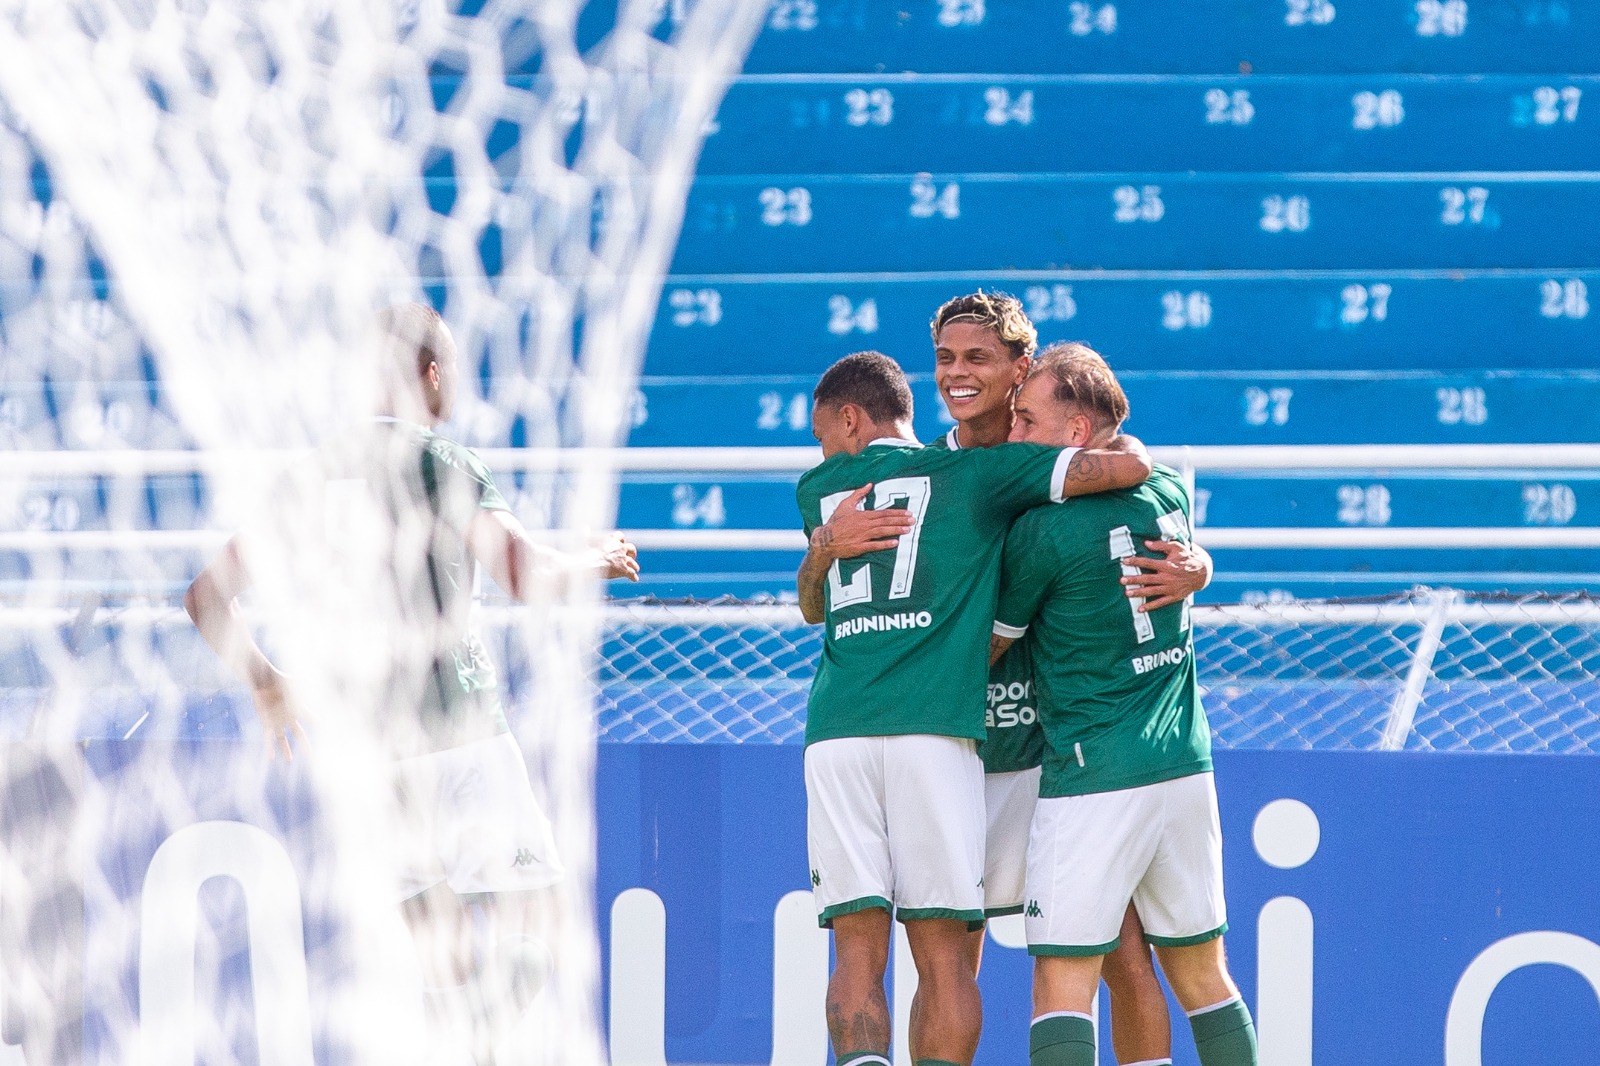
(976, 373)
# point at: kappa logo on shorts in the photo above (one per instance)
(1033, 910)
(816, 879)
(524, 858)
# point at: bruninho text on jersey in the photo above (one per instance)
(877, 623)
(1143, 664)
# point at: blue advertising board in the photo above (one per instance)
(1421, 909)
(1424, 909)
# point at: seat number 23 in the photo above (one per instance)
(911, 493)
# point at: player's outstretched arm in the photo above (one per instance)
(1122, 464)
(213, 603)
(526, 569)
(848, 533)
(1180, 572)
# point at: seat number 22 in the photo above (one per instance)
(912, 493)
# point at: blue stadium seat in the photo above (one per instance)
(1369, 320)
(893, 125)
(963, 222)
(65, 504)
(1176, 408)
(1249, 575)
(71, 412)
(1312, 499)
(1284, 221)
(1324, 498)
(27, 421)
(1178, 37)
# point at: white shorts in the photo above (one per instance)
(897, 823)
(1008, 800)
(1158, 845)
(469, 819)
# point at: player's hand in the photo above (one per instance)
(851, 532)
(1178, 574)
(280, 720)
(618, 557)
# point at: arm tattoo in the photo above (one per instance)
(1085, 466)
(810, 582)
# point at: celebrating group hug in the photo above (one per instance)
(1006, 717)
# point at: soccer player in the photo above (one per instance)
(894, 786)
(983, 347)
(1128, 809)
(424, 511)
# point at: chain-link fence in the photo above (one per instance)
(1430, 670)
(1434, 669)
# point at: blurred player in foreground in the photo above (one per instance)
(1128, 810)
(894, 786)
(404, 516)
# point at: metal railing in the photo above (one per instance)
(1356, 458)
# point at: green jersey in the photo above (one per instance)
(1118, 696)
(1015, 740)
(906, 639)
(416, 494)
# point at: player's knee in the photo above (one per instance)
(1129, 971)
(1198, 974)
(942, 950)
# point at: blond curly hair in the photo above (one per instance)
(999, 311)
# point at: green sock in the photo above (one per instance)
(863, 1058)
(1061, 1040)
(1224, 1035)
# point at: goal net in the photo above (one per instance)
(1434, 669)
(203, 204)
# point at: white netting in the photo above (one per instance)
(202, 204)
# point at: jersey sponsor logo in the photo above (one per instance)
(879, 623)
(1143, 664)
(524, 858)
(1006, 706)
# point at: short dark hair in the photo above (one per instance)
(999, 311)
(1083, 379)
(871, 381)
(415, 335)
